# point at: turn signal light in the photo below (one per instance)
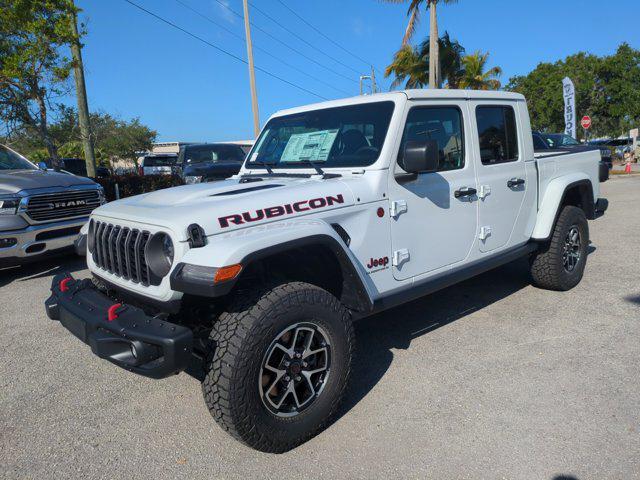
(227, 273)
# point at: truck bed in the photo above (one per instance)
(577, 165)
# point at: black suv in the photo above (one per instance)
(77, 166)
(206, 162)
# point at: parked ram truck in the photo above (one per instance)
(341, 209)
(41, 211)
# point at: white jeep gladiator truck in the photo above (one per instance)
(341, 209)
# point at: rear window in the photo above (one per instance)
(211, 153)
(497, 134)
(159, 161)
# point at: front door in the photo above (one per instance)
(502, 178)
(434, 215)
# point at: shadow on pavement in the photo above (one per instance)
(378, 335)
(633, 299)
(43, 268)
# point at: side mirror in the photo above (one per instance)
(42, 166)
(421, 156)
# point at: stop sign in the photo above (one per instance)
(586, 122)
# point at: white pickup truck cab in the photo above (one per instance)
(341, 209)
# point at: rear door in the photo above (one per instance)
(502, 177)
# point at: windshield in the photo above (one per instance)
(560, 140)
(10, 160)
(160, 161)
(333, 137)
(211, 154)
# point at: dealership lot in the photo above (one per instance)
(491, 378)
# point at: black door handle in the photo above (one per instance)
(465, 192)
(514, 182)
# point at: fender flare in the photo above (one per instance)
(262, 243)
(554, 197)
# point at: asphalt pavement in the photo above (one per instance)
(488, 379)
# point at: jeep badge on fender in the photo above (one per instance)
(255, 281)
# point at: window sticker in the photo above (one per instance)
(314, 146)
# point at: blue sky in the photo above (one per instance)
(137, 66)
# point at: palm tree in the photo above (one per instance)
(474, 76)
(435, 78)
(412, 63)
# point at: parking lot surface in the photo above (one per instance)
(491, 378)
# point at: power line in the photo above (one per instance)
(257, 27)
(266, 52)
(320, 32)
(221, 50)
(291, 32)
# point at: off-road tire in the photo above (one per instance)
(239, 341)
(547, 268)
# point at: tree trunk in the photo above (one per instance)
(434, 47)
(43, 130)
(83, 104)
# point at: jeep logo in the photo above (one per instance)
(378, 262)
(70, 203)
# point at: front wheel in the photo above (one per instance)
(280, 364)
(560, 264)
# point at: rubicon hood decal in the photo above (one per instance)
(280, 210)
(230, 205)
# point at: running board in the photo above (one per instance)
(451, 277)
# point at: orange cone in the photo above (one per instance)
(627, 169)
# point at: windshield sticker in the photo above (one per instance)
(313, 146)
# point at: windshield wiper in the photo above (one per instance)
(315, 166)
(267, 166)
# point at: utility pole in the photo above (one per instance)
(252, 72)
(374, 87)
(81, 96)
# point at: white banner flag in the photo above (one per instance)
(569, 92)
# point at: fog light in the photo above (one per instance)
(8, 242)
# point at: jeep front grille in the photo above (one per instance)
(60, 205)
(120, 251)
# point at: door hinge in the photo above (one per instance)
(398, 207)
(485, 190)
(400, 256)
(485, 232)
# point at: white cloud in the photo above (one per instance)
(227, 14)
(360, 28)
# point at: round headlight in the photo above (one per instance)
(159, 254)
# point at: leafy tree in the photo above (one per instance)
(414, 13)
(473, 75)
(607, 89)
(114, 138)
(33, 69)
(412, 63)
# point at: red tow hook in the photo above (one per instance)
(112, 313)
(64, 284)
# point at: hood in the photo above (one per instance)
(12, 181)
(229, 205)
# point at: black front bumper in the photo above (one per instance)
(122, 334)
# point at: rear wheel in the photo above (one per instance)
(279, 366)
(560, 264)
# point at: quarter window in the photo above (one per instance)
(498, 134)
(442, 124)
